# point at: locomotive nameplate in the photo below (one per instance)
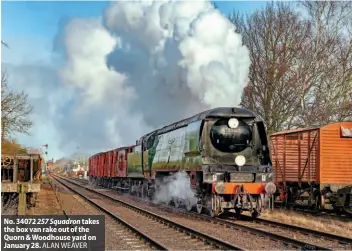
(242, 177)
(232, 131)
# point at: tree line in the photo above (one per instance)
(301, 63)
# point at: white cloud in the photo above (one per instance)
(150, 64)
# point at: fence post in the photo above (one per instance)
(22, 202)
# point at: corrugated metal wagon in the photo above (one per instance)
(109, 169)
(313, 166)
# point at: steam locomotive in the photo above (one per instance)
(223, 152)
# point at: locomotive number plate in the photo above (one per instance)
(242, 177)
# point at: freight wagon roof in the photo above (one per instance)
(305, 129)
(122, 148)
(215, 112)
(295, 130)
(95, 154)
(116, 149)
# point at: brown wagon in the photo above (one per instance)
(313, 166)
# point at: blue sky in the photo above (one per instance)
(31, 29)
(46, 18)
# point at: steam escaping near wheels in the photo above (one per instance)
(176, 187)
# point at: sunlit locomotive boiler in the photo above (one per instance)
(224, 151)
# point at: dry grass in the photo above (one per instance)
(324, 224)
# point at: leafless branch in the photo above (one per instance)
(301, 67)
(5, 44)
(15, 110)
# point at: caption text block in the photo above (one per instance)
(53, 232)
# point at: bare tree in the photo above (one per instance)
(300, 73)
(330, 64)
(275, 37)
(15, 110)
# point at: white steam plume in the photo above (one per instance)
(183, 55)
(146, 65)
(178, 186)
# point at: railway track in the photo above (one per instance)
(305, 231)
(129, 239)
(334, 215)
(291, 236)
(83, 181)
(343, 216)
(161, 232)
(300, 237)
(294, 236)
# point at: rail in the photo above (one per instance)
(202, 236)
(307, 231)
(154, 243)
(271, 235)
